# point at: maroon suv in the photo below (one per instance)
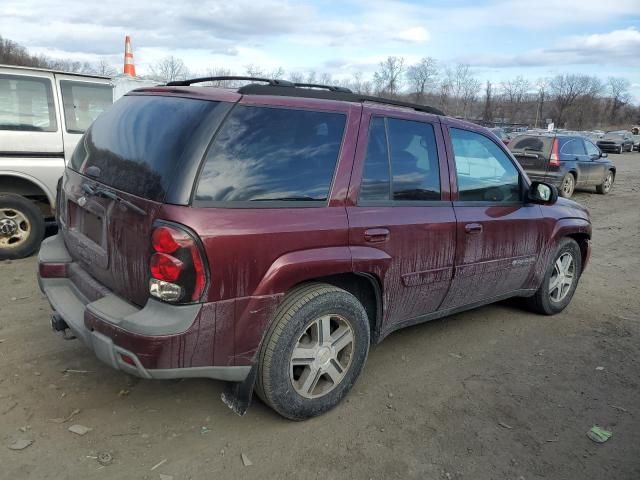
(268, 235)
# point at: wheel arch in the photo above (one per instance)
(26, 186)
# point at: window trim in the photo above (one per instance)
(51, 102)
(262, 204)
(485, 203)
(392, 202)
(64, 81)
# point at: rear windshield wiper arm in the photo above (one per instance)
(103, 192)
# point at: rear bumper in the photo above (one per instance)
(155, 341)
(551, 178)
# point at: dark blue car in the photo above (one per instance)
(566, 161)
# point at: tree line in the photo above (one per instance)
(575, 101)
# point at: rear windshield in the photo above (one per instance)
(272, 154)
(535, 144)
(140, 141)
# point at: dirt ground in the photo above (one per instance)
(495, 393)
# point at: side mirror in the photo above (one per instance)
(604, 154)
(542, 193)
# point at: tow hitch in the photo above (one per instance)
(59, 325)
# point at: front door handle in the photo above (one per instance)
(473, 228)
(376, 235)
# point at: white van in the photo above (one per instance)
(43, 114)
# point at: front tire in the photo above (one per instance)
(560, 280)
(567, 186)
(313, 352)
(607, 183)
(21, 227)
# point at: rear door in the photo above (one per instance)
(402, 208)
(499, 236)
(81, 101)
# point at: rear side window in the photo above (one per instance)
(573, 147)
(484, 172)
(272, 154)
(140, 141)
(413, 174)
(532, 144)
(26, 104)
(83, 102)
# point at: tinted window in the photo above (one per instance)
(26, 104)
(272, 154)
(140, 141)
(375, 178)
(573, 147)
(83, 102)
(414, 160)
(531, 143)
(484, 171)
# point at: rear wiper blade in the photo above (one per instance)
(103, 192)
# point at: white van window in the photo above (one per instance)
(83, 102)
(26, 104)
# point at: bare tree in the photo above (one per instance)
(422, 76)
(359, 85)
(462, 86)
(566, 89)
(514, 92)
(170, 69)
(296, 77)
(618, 89)
(487, 113)
(388, 79)
(104, 68)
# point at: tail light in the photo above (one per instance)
(554, 159)
(177, 267)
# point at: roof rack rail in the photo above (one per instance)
(329, 93)
(270, 81)
(331, 88)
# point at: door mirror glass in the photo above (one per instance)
(543, 193)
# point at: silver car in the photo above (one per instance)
(43, 114)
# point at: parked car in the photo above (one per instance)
(566, 161)
(501, 134)
(269, 236)
(43, 114)
(616, 142)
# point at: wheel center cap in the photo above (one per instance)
(324, 355)
(8, 226)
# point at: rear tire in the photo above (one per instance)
(607, 184)
(560, 280)
(313, 352)
(21, 227)
(567, 186)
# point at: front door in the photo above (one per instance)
(402, 209)
(598, 166)
(499, 235)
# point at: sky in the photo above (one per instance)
(500, 39)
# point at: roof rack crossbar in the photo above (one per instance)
(270, 81)
(331, 88)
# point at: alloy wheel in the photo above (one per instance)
(322, 356)
(562, 278)
(608, 181)
(567, 185)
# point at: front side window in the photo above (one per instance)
(413, 174)
(592, 150)
(573, 147)
(272, 154)
(26, 104)
(83, 102)
(484, 172)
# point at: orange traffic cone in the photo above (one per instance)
(129, 67)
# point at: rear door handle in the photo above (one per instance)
(473, 228)
(376, 235)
